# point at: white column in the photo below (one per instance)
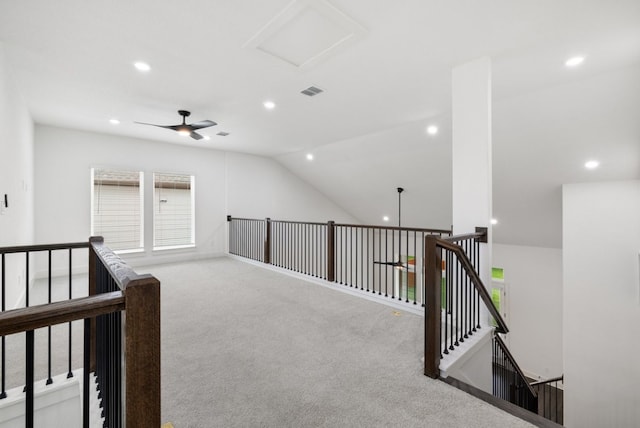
(471, 105)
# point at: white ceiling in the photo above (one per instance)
(72, 61)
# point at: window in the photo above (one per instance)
(116, 212)
(173, 211)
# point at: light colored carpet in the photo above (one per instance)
(244, 346)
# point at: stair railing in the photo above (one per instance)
(550, 398)
(139, 297)
(453, 294)
(509, 382)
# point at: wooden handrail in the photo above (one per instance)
(34, 317)
(42, 247)
(476, 281)
(120, 271)
(403, 229)
(513, 362)
(364, 226)
(542, 382)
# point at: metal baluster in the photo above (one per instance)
(86, 374)
(355, 284)
(3, 393)
(386, 258)
(49, 379)
(422, 270)
(70, 373)
(393, 254)
(415, 267)
(368, 260)
(27, 280)
(29, 380)
(407, 270)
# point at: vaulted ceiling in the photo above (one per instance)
(385, 70)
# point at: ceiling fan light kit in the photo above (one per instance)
(186, 129)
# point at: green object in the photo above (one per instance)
(496, 296)
(497, 273)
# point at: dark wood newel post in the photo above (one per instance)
(331, 252)
(142, 352)
(267, 242)
(432, 315)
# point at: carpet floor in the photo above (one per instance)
(244, 346)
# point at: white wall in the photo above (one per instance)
(64, 158)
(533, 279)
(471, 153)
(601, 247)
(259, 187)
(16, 180)
(225, 183)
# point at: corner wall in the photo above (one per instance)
(16, 180)
(601, 257)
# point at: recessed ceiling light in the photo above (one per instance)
(206, 137)
(432, 130)
(114, 121)
(309, 156)
(385, 218)
(269, 105)
(592, 164)
(574, 61)
(142, 66)
(494, 221)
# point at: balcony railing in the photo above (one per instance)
(117, 295)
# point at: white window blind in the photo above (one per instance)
(173, 217)
(117, 209)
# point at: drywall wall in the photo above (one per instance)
(533, 282)
(225, 183)
(64, 158)
(601, 304)
(16, 181)
(259, 187)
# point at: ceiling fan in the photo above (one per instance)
(399, 264)
(186, 128)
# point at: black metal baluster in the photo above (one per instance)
(70, 373)
(415, 267)
(386, 258)
(465, 303)
(368, 260)
(29, 379)
(451, 281)
(406, 288)
(422, 282)
(3, 393)
(393, 254)
(86, 374)
(49, 379)
(457, 308)
(355, 283)
(26, 301)
(379, 265)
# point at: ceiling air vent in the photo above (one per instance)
(312, 91)
(222, 133)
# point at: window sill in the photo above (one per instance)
(136, 250)
(174, 247)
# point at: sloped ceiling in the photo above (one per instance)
(72, 61)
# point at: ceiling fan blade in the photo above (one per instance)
(202, 124)
(389, 263)
(153, 124)
(196, 136)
